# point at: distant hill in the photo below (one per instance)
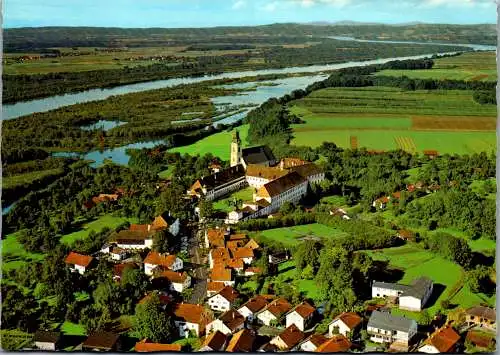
(28, 38)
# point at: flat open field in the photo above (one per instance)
(28, 178)
(83, 231)
(383, 118)
(480, 66)
(291, 236)
(218, 144)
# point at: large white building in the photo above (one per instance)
(411, 298)
(383, 327)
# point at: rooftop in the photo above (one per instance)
(444, 339)
(261, 154)
(351, 319)
(101, 340)
(484, 312)
(215, 340)
(154, 258)
(280, 185)
(385, 320)
(337, 344)
(232, 319)
(145, 346)
(291, 336)
(242, 341)
(78, 259)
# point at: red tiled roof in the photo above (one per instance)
(155, 258)
(304, 309)
(484, 312)
(144, 228)
(191, 313)
(255, 303)
(254, 269)
(215, 286)
(278, 307)
(242, 341)
(280, 185)
(78, 259)
(265, 172)
(351, 319)
(291, 336)
(337, 344)
(219, 254)
(173, 277)
(145, 346)
(239, 236)
(119, 268)
(220, 273)
(242, 252)
(229, 294)
(231, 244)
(164, 299)
(215, 341)
(317, 339)
(252, 244)
(479, 339)
(216, 237)
(232, 319)
(444, 339)
(159, 223)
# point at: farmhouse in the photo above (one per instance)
(228, 323)
(289, 339)
(156, 260)
(300, 316)
(102, 341)
(214, 287)
(215, 238)
(47, 341)
(412, 298)
(444, 340)
(241, 342)
(274, 311)
(215, 341)
(223, 300)
(313, 342)
(78, 262)
(129, 239)
(253, 306)
(190, 318)
(178, 281)
(222, 274)
(344, 323)
(337, 344)
(481, 316)
(166, 221)
(384, 327)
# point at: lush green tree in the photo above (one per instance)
(152, 322)
(206, 208)
(307, 253)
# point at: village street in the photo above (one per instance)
(199, 271)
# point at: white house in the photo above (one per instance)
(219, 184)
(344, 324)
(165, 221)
(301, 316)
(222, 274)
(444, 340)
(312, 343)
(178, 281)
(289, 339)
(228, 323)
(415, 298)
(383, 327)
(118, 254)
(274, 311)
(244, 253)
(166, 261)
(132, 239)
(250, 308)
(47, 341)
(215, 341)
(385, 289)
(190, 318)
(78, 262)
(223, 300)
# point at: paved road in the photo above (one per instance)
(200, 272)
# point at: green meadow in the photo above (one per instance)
(243, 195)
(291, 236)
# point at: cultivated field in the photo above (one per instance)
(468, 66)
(383, 118)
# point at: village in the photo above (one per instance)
(201, 293)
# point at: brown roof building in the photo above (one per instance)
(146, 346)
(164, 260)
(289, 338)
(102, 341)
(337, 344)
(78, 259)
(242, 342)
(215, 341)
(444, 340)
(280, 185)
(215, 238)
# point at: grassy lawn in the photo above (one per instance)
(69, 328)
(244, 195)
(14, 255)
(217, 144)
(290, 236)
(96, 226)
(166, 174)
(29, 177)
(334, 200)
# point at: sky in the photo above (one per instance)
(209, 13)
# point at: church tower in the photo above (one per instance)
(236, 149)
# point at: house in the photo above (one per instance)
(219, 184)
(252, 270)
(47, 341)
(214, 287)
(228, 323)
(431, 154)
(241, 342)
(383, 327)
(406, 235)
(301, 316)
(289, 339)
(146, 346)
(78, 262)
(484, 317)
(158, 260)
(118, 269)
(117, 254)
(313, 342)
(178, 281)
(128, 239)
(224, 299)
(252, 244)
(415, 297)
(344, 323)
(339, 212)
(215, 341)
(273, 312)
(444, 340)
(412, 298)
(336, 344)
(236, 264)
(480, 339)
(278, 258)
(250, 308)
(102, 341)
(244, 253)
(218, 256)
(222, 274)
(166, 221)
(215, 238)
(190, 318)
